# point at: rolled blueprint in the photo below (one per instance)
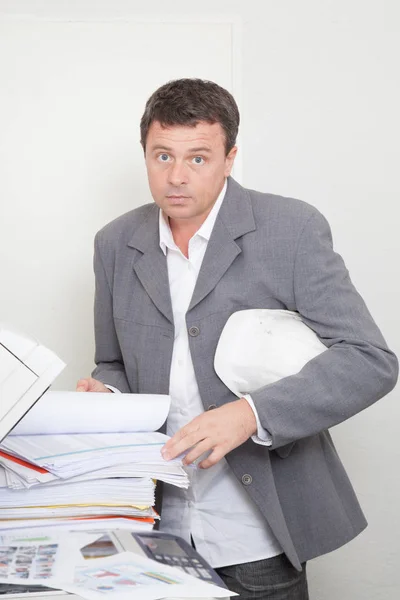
(94, 412)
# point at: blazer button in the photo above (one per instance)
(247, 479)
(194, 331)
(212, 406)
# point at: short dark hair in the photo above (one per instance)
(189, 101)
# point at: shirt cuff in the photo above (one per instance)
(112, 389)
(262, 437)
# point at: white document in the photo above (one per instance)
(93, 412)
(92, 523)
(138, 491)
(260, 346)
(27, 369)
(62, 512)
(70, 455)
(31, 476)
(127, 576)
(20, 477)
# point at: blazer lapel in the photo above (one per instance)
(151, 267)
(235, 218)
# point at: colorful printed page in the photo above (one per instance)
(38, 558)
(128, 576)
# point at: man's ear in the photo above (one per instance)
(229, 160)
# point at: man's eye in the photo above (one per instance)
(164, 157)
(198, 160)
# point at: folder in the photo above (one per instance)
(27, 369)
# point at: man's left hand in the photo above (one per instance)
(220, 430)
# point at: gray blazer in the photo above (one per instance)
(270, 252)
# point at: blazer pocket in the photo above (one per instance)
(285, 450)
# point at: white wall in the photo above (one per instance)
(72, 96)
(320, 121)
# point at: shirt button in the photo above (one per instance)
(247, 479)
(212, 406)
(194, 331)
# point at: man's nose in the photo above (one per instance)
(177, 174)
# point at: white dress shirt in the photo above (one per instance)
(225, 524)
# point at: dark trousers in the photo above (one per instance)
(270, 579)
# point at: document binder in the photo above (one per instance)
(27, 369)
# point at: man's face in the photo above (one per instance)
(186, 168)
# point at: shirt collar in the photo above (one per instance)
(166, 238)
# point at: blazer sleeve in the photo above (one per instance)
(358, 367)
(108, 357)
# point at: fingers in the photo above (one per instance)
(91, 385)
(184, 439)
(197, 451)
(82, 385)
(213, 458)
(220, 430)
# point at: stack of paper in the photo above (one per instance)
(83, 475)
(71, 455)
(69, 498)
(75, 456)
(41, 457)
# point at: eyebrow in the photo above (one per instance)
(190, 151)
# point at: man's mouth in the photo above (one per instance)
(177, 199)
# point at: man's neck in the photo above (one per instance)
(183, 230)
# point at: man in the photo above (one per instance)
(270, 492)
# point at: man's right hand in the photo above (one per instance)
(91, 385)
